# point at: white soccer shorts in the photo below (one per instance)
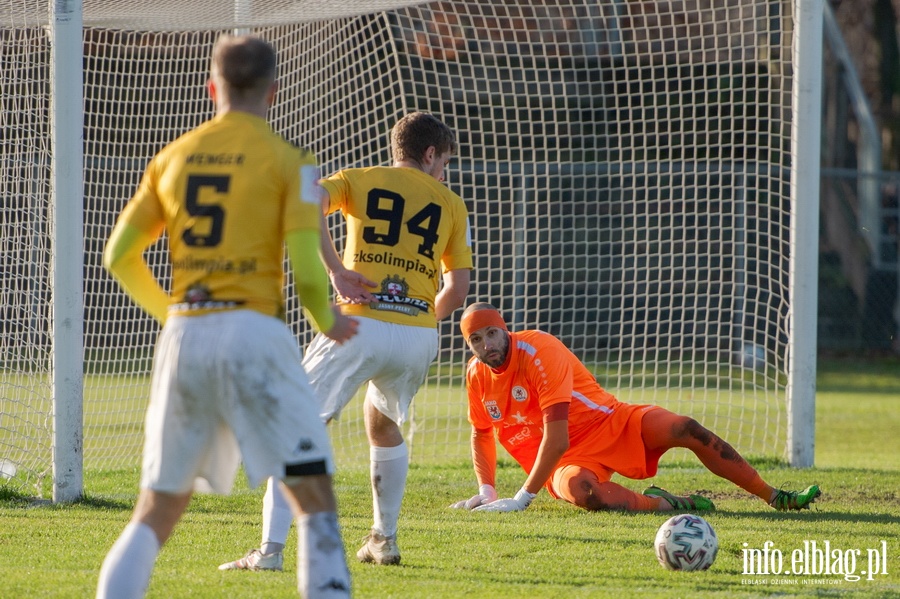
(226, 386)
(392, 358)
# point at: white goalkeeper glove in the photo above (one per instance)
(514, 504)
(486, 494)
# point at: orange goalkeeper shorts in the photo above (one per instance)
(614, 446)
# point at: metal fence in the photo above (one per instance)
(859, 264)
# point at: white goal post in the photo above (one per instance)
(642, 179)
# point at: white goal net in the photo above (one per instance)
(626, 166)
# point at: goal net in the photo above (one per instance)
(626, 166)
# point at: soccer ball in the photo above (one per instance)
(686, 542)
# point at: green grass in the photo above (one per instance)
(551, 550)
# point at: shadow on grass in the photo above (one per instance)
(10, 498)
(817, 516)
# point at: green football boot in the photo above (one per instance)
(695, 503)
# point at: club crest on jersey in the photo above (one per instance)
(493, 410)
(197, 293)
(394, 286)
(199, 297)
(519, 393)
(393, 297)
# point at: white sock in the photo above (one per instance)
(388, 468)
(277, 518)
(321, 565)
(128, 565)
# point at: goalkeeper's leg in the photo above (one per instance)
(592, 491)
(662, 430)
(582, 487)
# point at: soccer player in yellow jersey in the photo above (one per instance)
(227, 382)
(406, 265)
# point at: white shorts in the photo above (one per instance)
(393, 359)
(227, 386)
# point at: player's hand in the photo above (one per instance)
(352, 286)
(343, 328)
(486, 494)
(513, 504)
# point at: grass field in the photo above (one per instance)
(551, 550)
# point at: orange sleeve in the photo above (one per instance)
(484, 455)
(557, 411)
(484, 445)
(551, 371)
(478, 418)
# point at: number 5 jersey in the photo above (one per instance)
(211, 186)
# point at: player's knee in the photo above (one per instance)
(584, 493)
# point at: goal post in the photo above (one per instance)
(805, 165)
(66, 323)
(642, 180)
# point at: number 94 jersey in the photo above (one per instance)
(404, 229)
(226, 193)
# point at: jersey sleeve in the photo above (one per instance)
(144, 210)
(303, 203)
(475, 392)
(337, 188)
(138, 226)
(310, 279)
(458, 254)
(551, 372)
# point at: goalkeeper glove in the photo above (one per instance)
(486, 494)
(514, 504)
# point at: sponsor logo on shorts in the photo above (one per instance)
(305, 444)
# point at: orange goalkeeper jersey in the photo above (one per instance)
(541, 371)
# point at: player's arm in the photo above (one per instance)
(312, 285)
(456, 266)
(123, 257)
(453, 293)
(554, 444)
(348, 284)
(484, 458)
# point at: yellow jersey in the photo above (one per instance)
(227, 192)
(404, 229)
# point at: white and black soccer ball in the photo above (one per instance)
(686, 542)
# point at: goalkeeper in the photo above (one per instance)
(570, 435)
